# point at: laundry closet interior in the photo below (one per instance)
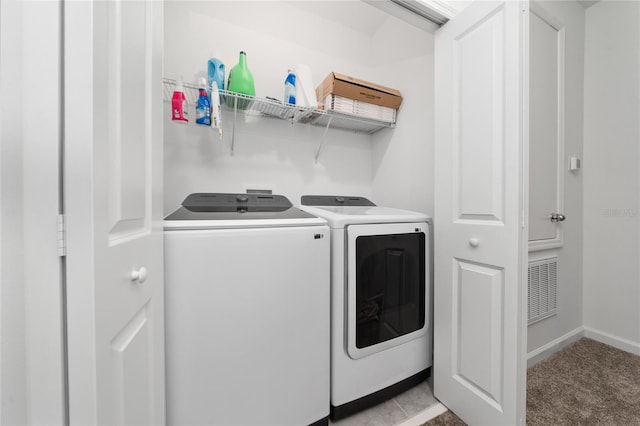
(392, 167)
(395, 166)
(97, 165)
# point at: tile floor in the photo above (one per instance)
(396, 410)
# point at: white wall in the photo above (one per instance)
(403, 159)
(569, 316)
(268, 152)
(611, 176)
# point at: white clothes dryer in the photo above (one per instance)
(381, 332)
(247, 312)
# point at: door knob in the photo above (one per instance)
(474, 242)
(557, 217)
(140, 275)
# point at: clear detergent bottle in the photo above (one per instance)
(290, 88)
(203, 107)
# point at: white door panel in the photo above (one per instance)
(477, 365)
(130, 349)
(127, 77)
(546, 140)
(478, 138)
(113, 190)
(480, 240)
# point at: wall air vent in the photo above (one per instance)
(543, 286)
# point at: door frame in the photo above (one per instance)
(78, 198)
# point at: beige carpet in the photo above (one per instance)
(445, 419)
(587, 383)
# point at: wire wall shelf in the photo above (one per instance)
(267, 107)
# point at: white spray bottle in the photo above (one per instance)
(216, 122)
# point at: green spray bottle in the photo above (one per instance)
(240, 81)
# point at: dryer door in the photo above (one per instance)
(387, 292)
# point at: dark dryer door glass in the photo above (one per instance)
(390, 286)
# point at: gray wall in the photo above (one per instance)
(612, 180)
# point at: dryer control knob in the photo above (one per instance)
(340, 200)
(242, 198)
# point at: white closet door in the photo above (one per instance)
(113, 189)
(480, 222)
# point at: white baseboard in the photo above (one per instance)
(554, 346)
(611, 340)
(425, 415)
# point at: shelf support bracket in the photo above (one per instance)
(233, 127)
(322, 139)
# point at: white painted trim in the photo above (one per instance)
(425, 415)
(540, 257)
(445, 8)
(523, 256)
(43, 284)
(554, 346)
(13, 363)
(553, 243)
(78, 107)
(537, 8)
(1, 223)
(612, 340)
(404, 15)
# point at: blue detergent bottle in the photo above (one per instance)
(203, 107)
(215, 72)
(290, 88)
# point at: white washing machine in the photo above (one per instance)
(381, 333)
(247, 312)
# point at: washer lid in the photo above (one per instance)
(207, 210)
(236, 203)
(334, 200)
